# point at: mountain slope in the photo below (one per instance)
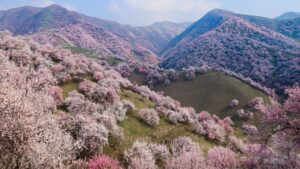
(28, 20)
(288, 27)
(97, 39)
(239, 46)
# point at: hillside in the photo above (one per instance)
(28, 20)
(71, 108)
(232, 43)
(198, 93)
(101, 41)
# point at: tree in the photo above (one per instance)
(234, 103)
(279, 137)
(149, 116)
(221, 158)
(144, 155)
(98, 76)
(57, 93)
(185, 154)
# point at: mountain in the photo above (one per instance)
(289, 15)
(97, 39)
(222, 39)
(288, 27)
(30, 20)
(157, 35)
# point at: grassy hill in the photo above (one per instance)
(212, 92)
(135, 129)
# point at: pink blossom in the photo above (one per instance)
(103, 162)
(222, 158)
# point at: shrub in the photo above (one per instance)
(149, 116)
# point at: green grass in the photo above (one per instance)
(135, 129)
(212, 92)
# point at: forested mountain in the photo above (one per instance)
(145, 42)
(222, 39)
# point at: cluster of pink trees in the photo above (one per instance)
(183, 154)
(213, 127)
(279, 136)
(34, 134)
(30, 134)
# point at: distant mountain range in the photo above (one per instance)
(266, 50)
(128, 41)
(249, 45)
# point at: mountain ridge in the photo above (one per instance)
(152, 37)
(235, 44)
(289, 15)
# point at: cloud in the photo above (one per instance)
(148, 11)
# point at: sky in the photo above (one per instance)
(145, 12)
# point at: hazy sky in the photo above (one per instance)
(144, 12)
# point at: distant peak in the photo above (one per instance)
(220, 11)
(289, 15)
(55, 6)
